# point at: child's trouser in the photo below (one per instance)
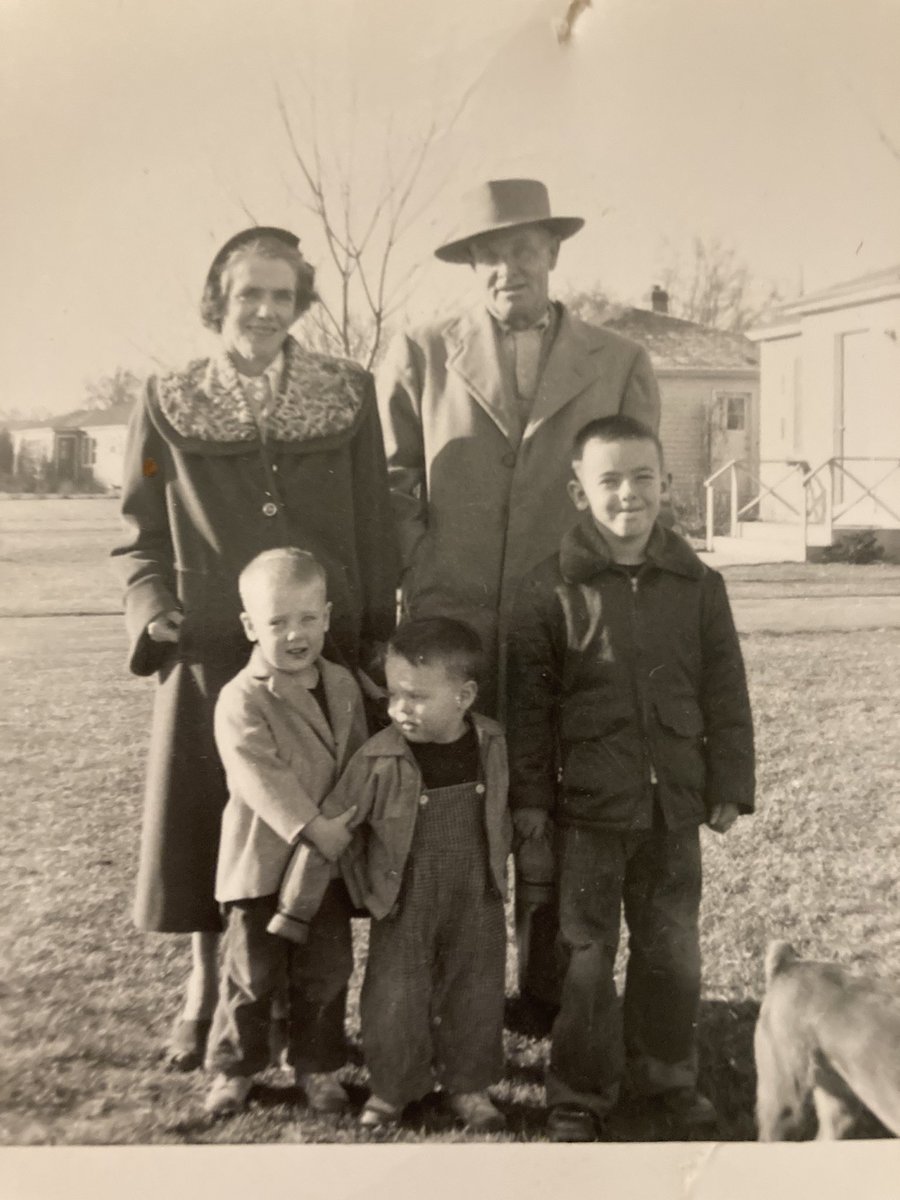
(257, 964)
(432, 998)
(656, 874)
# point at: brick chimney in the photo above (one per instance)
(659, 299)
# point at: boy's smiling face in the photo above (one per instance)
(288, 621)
(426, 702)
(621, 483)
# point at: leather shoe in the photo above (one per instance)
(689, 1108)
(570, 1123)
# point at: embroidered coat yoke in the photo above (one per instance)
(203, 493)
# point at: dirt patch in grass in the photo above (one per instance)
(87, 1001)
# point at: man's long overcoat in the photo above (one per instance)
(475, 507)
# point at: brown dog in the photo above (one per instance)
(826, 1041)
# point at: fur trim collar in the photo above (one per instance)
(318, 396)
(584, 553)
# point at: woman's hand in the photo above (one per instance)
(166, 627)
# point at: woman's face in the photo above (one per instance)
(259, 309)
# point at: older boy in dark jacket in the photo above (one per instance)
(629, 727)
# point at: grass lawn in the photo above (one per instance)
(87, 1001)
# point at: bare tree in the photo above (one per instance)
(109, 390)
(715, 287)
(361, 220)
(591, 305)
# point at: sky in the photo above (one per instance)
(137, 135)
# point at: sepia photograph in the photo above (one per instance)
(450, 597)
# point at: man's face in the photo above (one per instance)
(513, 269)
(621, 483)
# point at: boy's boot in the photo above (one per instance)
(689, 1109)
(324, 1091)
(476, 1110)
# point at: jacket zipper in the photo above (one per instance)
(638, 691)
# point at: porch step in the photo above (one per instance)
(756, 550)
(777, 532)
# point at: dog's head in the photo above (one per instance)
(778, 955)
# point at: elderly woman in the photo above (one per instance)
(261, 445)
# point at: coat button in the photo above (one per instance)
(392, 874)
(423, 800)
(479, 788)
(269, 509)
(508, 460)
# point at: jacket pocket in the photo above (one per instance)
(385, 852)
(680, 716)
(602, 755)
(679, 753)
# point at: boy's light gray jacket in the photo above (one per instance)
(384, 781)
(281, 758)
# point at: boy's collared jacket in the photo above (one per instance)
(281, 758)
(624, 688)
(384, 781)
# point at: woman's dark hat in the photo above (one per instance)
(248, 235)
(503, 204)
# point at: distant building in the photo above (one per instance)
(32, 444)
(829, 403)
(82, 447)
(709, 384)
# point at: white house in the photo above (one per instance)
(829, 421)
(709, 387)
(85, 445)
(32, 445)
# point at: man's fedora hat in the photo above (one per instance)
(504, 204)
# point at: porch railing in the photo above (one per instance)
(819, 498)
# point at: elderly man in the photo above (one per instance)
(479, 414)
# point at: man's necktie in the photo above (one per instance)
(528, 344)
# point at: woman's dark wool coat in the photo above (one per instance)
(194, 511)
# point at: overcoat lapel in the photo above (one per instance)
(472, 355)
(574, 363)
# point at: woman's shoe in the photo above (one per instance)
(379, 1114)
(187, 1044)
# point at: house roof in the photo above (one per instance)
(674, 343)
(861, 289)
(86, 418)
(887, 277)
(81, 418)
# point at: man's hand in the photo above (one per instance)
(530, 822)
(166, 627)
(722, 817)
(330, 836)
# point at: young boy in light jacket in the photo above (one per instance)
(284, 726)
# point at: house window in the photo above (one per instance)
(736, 414)
(88, 452)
